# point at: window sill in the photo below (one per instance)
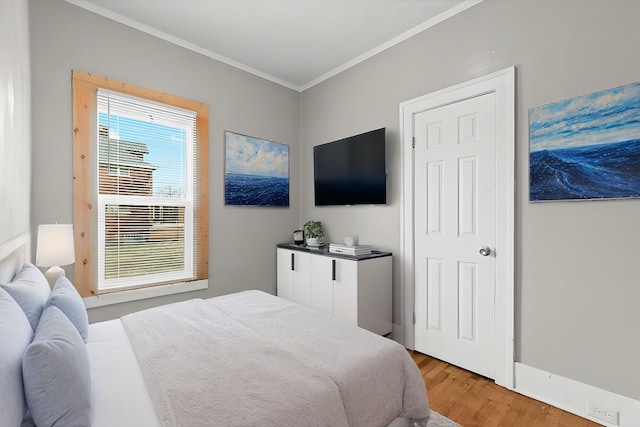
(143, 293)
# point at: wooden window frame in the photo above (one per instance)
(85, 147)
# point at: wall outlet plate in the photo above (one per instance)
(603, 413)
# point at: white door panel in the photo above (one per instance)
(321, 284)
(334, 287)
(293, 276)
(455, 216)
(345, 290)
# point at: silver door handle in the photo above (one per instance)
(485, 251)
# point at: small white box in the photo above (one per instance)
(351, 240)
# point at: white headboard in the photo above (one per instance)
(13, 254)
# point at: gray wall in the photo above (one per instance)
(241, 240)
(577, 289)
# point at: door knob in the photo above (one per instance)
(485, 251)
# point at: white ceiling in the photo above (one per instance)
(295, 43)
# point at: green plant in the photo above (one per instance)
(314, 229)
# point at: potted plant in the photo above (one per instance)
(314, 233)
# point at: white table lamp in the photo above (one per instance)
(55, 248)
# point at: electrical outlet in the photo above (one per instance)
(602, 413)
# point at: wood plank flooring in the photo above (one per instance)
(475, 401)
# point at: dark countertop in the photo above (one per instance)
(324, 250)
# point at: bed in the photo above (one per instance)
(245, 359)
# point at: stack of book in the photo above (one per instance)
(337, 248)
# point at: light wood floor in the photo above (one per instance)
(475, 401)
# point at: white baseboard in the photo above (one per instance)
(572, 396)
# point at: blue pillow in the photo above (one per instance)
(65, 296)
(56, 373)
(15, 336)
(30, 289)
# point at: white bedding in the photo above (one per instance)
(377, 378)
(121, 397)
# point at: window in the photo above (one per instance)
(140, 188)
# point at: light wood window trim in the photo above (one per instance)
(84, 87)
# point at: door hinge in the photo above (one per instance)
(414, 317)
(414, 142)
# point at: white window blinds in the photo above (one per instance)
(146, 192)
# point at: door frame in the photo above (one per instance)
(502, 83)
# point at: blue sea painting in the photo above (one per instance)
(241, 189)
(586, 148)
(256, 171)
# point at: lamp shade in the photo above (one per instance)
(55, 245)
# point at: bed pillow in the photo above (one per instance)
(15, 336)
(65, 296)
(55, 367)
(30, 289)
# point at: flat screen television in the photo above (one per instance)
(351, 171)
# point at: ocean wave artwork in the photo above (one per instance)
(256, 171)
(586, 148)
(254, 190)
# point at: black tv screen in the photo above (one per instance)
(351, 171)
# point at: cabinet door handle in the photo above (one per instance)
(293, 263)
(333, 269)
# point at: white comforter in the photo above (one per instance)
(252, 359)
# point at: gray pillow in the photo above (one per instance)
(55, 370)
(15, 336)
(30, 289)
(65, 296)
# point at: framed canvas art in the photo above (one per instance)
(256, 171)
(586, 147)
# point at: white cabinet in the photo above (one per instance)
(356, 290)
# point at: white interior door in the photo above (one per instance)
(455, 232)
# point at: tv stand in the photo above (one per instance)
(355, 289)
